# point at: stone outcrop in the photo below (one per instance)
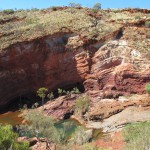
(118, 68)
(61, 108)
(119, 120)
(106, 108)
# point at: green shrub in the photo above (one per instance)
(137, 136)
(41, 92)
(30, 21)
(81, 105)
(147, 24)
(34, 9)
(39, 126)
(60, 91)
(75, 90)
(50, 95)
(8, 140)
(8, 11)
(147, 87)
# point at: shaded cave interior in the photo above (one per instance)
(27, 100)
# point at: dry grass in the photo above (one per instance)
(25, 25)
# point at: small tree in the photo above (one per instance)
(40, 126)
(60, 91)
(147, 87)
(97, 7)
(50, 95)
(41, 92)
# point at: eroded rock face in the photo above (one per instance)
(61, 108)
(108, 68)
(48, 62)
(117, 69)
(119, 120)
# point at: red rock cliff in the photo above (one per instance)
(109, 65)
(26, 66)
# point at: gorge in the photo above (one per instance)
(106, 56)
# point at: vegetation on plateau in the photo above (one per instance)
(25, 25)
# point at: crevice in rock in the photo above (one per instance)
(120, 34)
(68, 115)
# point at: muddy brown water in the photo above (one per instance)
(11, 117)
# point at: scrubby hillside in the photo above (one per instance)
(25, 25)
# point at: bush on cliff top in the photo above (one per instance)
(8, 11)
(97, 6)
(31, 24)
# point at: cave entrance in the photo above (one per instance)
(21, 101)
(29, 99)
